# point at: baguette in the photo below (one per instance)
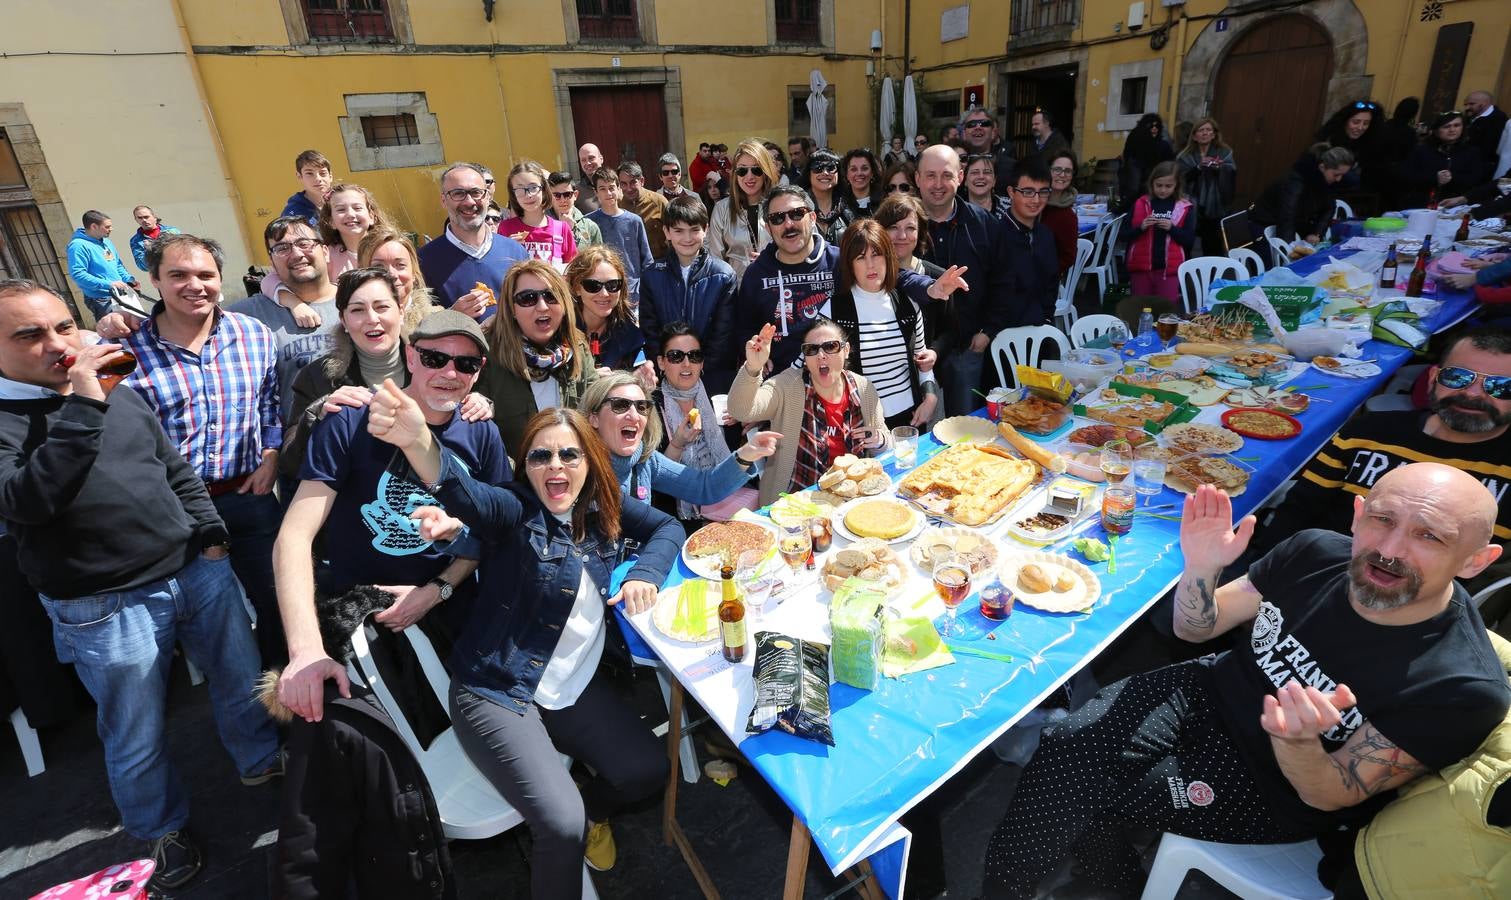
(1030, 450)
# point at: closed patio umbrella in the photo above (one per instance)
(818, 109)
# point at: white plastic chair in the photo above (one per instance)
(1490, 590)
(1252, 262)
(1252, 871)
(1342, 211)
(1065, 305)
(1089, 328)
(1280, 249)
(469, 806)
(1196, 277)
(1396, 395)
(1024, 347)
(1101, 264)
(31, 748)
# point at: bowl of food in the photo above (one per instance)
(1085, 367)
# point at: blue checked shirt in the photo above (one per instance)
(219, 407)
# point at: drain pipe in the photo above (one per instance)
(907, 37)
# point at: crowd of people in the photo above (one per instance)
(467, 436)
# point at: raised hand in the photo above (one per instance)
(1207, 538)
(434, 524)
(951, 281)
(395, 418)
(1300, 712)
(758, 349)
(761, 445)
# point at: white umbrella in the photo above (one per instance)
(888, 113)
(909, 113)
(818, 109)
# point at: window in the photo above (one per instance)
(613, 20)
(944, 106)
(798, 120)
(356, 21)
(797, 21)
(1134, 92)
(390, 131)
(10, 168)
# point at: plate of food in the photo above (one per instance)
(1054, 512)
(965, 428)
(1264, 397)
(1097, 435)
(1264, 424)
(688, 612)
(978, 550)
(868, 559)
(1050, 582)
(1186, 474)
(1194, 437)
(707, 549)
(885, 519)
(854, 476)
(1345, 368)
(1034, 414)
(1130, 412)
(970, 484)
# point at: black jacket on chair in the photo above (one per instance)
(1299, 204)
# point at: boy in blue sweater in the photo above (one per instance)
(314, 172)
(622, 230)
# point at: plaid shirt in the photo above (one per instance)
(219, 407)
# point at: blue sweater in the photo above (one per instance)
(626, 233)
(450, 273)
(139, 244)
(302, 206)
(679, 481)
(94, 264)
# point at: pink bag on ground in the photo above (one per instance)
(123, 881)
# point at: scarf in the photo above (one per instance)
(812, 446)
(543, 365)
(153, 234)
(709, 449)
(376, 368)
(1063, 198)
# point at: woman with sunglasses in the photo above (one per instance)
(585, 232)
(1444, 164)
(824, 410)
(623, 415)
(1360, 128)
(736, 232)
(1146, 146)
(542, 236)
(598, 284)
(1059, 214)
(979, 187)
(861, 192)
(539, 357)
(830, 215)
(526, 684)
(899, 178)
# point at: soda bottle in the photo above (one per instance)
(1463, 233)
(731, 616)
(1388, 271)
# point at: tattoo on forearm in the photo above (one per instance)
(1374, 763)
(1196, 602)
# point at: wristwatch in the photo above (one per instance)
(445, 586)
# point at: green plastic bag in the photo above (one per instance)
(1395, 323)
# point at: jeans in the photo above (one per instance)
(253, 520)
(960, 374)
(122, 645)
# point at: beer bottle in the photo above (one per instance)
(1463, 233)
(1419, 271)
(1388, 271)
(731, 616)
(1432, 199)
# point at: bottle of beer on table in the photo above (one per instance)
(1388, 271)
(1463, 233)
(732, 616)
(1419, 271)
(1432, 199)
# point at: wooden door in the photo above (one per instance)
(1270, 98)
(627, 123)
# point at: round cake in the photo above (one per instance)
(884, 519)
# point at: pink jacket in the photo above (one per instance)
(1140, 250)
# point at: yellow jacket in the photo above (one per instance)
(1433, 841)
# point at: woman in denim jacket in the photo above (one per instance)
(525, 682)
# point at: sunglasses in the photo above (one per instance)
(435, 359)
(1364, 105)
(675, 357)
(824, 167)
(527, 299)
(563, 195)
(1458, 378)
(794, 215)
(621, 405)
(540, 457)
(904, 187)
(742, 171)
(828, 348)
(978, 123)
(493, 220)
(594, 286)
(667, 173)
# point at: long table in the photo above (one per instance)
(897, 744)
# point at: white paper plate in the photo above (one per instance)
(949, 534)
(708, 566)
(965, 428)
(838, 519)
(1351, 369)
(1081, 598)
(665, 611)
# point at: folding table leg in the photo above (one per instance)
(671, 830)
(797, 861)
(687, 753)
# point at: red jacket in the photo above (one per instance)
(1141, 249)
(1063, 224)
(698, 170)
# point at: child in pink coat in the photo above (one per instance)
(1164, 225)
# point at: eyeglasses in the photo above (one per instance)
(594, 286)
(492, 219)
(667, 173)
(435, 359)
(564, 195)
(621, 405)
(823, 167)
(904, 188)
(529, 298)
(1061, 170)
(1459, 378)
(828, 348)
(529, 190)
(540, 457)
(1026, 193)
(284, 248)
(977, 123)
(457, 195)
(676, 357)
(794, 215)
(742, 171)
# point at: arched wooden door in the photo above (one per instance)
(1269, 98)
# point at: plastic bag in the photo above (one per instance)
(855, 622)
(791, 687)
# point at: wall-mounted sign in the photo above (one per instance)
(955, 23)
(972, 96)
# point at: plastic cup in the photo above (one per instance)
(905, 446)
(721, 406)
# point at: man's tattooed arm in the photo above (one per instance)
(1199, 605)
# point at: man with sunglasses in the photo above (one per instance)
(469, 251)
(357, 494)
(669, 169)
(978, 132)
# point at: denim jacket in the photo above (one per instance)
(531, 569)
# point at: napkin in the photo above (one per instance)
(911, 644)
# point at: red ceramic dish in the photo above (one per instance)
(1279, 426)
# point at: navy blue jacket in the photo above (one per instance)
(531, 569)
(706, 301)
(1032, 266)
(974, 238)
(618, 347)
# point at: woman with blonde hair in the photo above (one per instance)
(737, 233)
(539, 358)
(391, 249)
(1208, 174)
(542, 236)
(601, 298)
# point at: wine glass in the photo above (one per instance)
(795, 542)
(1117, 461)
(952, 581)
(1117, 337)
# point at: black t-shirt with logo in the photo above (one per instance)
(1435, 689)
